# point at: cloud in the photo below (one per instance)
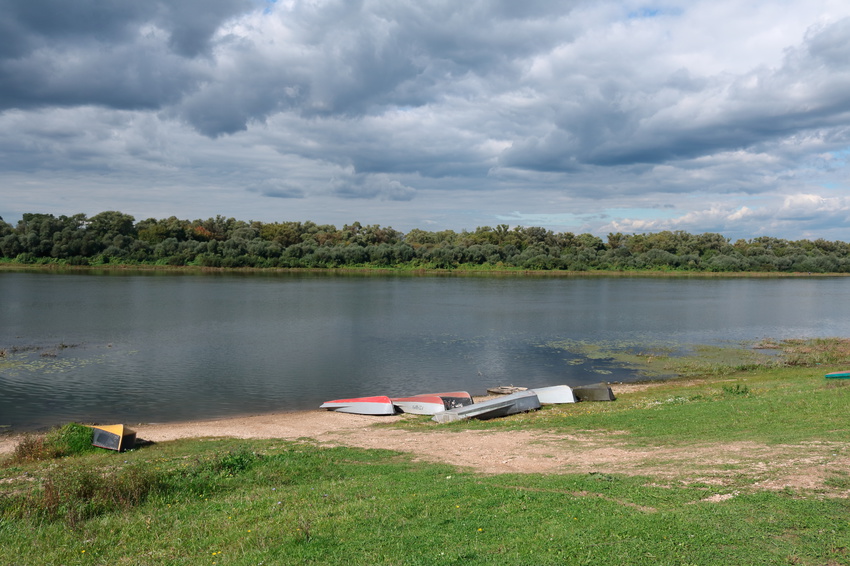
(806, 213)
(277, 189)
(371, 187)
(625, 117)
(139, 55)
(580, 115)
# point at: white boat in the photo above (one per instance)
(420, 404)
(378, 405)
(512, 404)
(555, 395)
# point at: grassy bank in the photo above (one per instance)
(227, 501)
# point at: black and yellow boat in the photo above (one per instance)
(113, 437)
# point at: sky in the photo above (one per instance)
(577, 116)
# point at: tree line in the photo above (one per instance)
(113, 237)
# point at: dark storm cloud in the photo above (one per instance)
(113, 54)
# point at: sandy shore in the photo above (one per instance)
(523, 451)
(492, 452)
(488, 451)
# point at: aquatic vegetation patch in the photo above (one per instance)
(663, 360)
(642, 357)
(23, 360)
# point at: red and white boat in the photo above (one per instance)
(420, 404)
(378, 405)
(432, 403)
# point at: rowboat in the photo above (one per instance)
(839, 375)
(512, 404)
(452, 399)
(113, 437)
(420, 404)
(378, 405)
(594, 392)
(554, 395)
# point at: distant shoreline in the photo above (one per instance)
(52, 267)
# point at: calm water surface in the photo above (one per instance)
(165, 347)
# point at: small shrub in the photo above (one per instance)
(31, 448)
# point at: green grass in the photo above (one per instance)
(294, 503)
(770, 406)
(228, 501)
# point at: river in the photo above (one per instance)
(155, 347)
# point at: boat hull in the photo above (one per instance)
(554, 395)
(507, 405)
(379, 405)
(838, 375)
(595, 392)
(113, 437)
(420, 404)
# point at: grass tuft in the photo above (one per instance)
(736, 389)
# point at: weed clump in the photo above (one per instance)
(737, 389)
(68, 440)
(817, 351)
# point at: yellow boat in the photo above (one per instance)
(113, 437)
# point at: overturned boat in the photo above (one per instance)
(554, 394)
(432, 403)
(520, 402)
(594, 392)
(378, 405)
(420, 404)
(113, 437)
(838, 375)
